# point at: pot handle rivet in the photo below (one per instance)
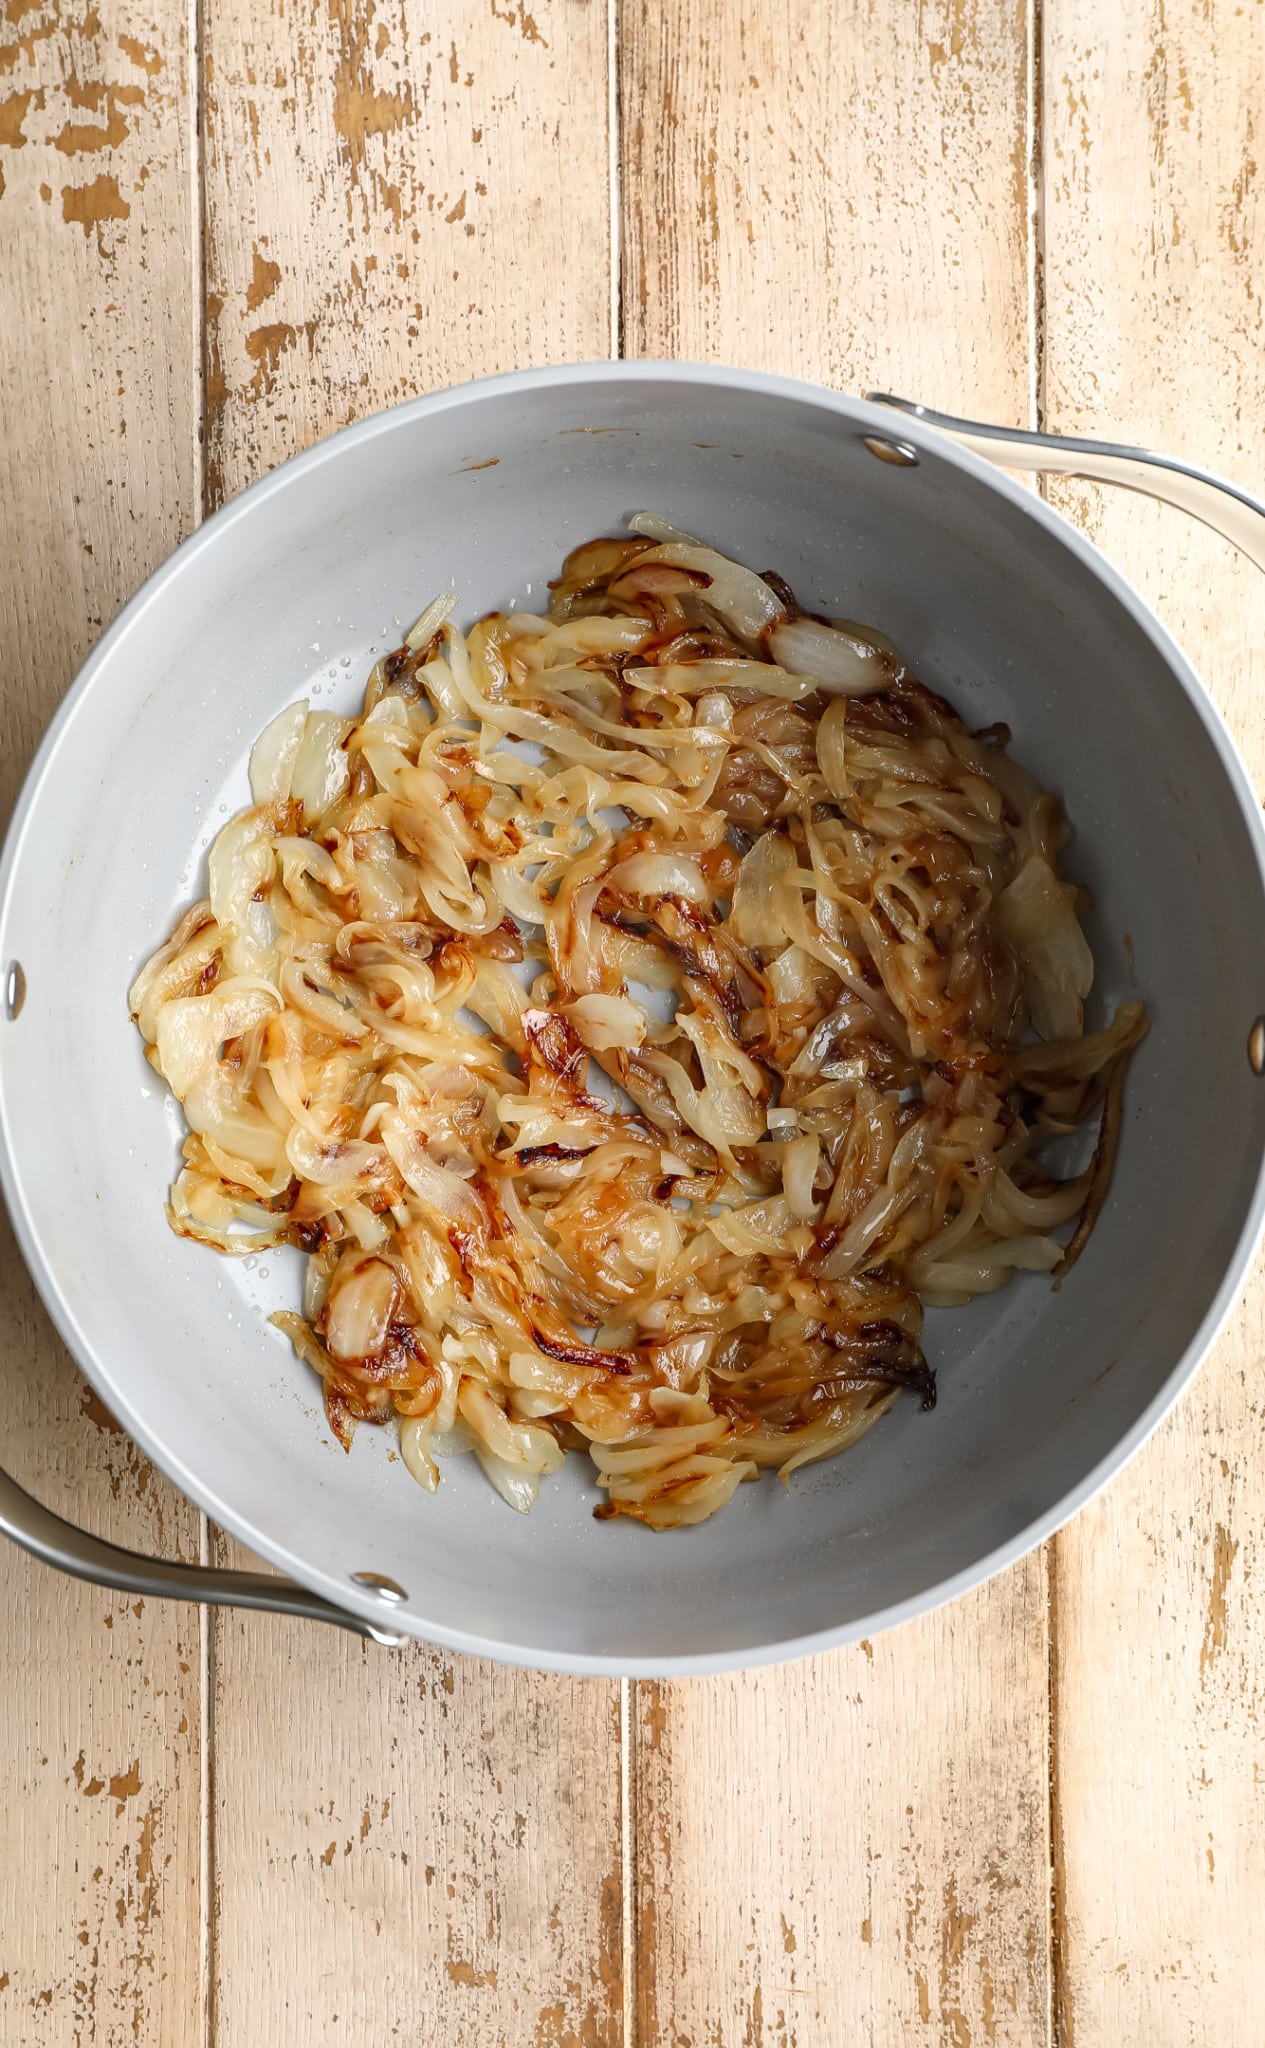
(897, 452)
(14, 989)
(386, 1589)
(1256, 1046)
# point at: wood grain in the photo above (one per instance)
(1155, 265)
(854, 1849)
(100, 1864)
(834, 192)
(411, 1848)
(390, 207)
(406, 1846)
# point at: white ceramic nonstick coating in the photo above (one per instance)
(997, 602)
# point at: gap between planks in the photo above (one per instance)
(206, 1631)
(627, 1686)
(1059, 2018)
(1036, 212)
(628, 1856)
(1060, 2013)
(614, 180)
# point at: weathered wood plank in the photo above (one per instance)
(434, 1844)
(834, 192)
(853, 1849)
(392, 207)
(100, 1895)
(396, 201)
(1155, 264)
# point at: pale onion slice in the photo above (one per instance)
(659, 874)
(523, 1445)
(191, 1029)
(839, 658)
(654, 528)
(737, 595)
(359, 1308)
(953, 1281)
(832, 749)
(1037, 918)
(756, 914)
(274, 753)
(519, 1490)
(415, 1449)
(240, 868)
(607, 1023)
(799, 1169)
(423, 631)
(321, 769)
(176, 969)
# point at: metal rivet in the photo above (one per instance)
(386, 1589)
(898, 452)
(14, 989)
(1256, 1046)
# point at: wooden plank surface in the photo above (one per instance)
(100, 1822)
(1155, 268)
(853, 1849)
(390, 207)
(396, 198)
(858, 1849)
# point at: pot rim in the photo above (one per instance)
(865, 418)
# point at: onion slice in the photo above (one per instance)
(841, 660)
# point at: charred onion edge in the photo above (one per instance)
(1101, 1166)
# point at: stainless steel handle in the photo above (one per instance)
(57, 1542)
(1233, 513)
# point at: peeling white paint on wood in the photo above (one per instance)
(249, 1829)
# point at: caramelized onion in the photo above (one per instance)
(630, 1016)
